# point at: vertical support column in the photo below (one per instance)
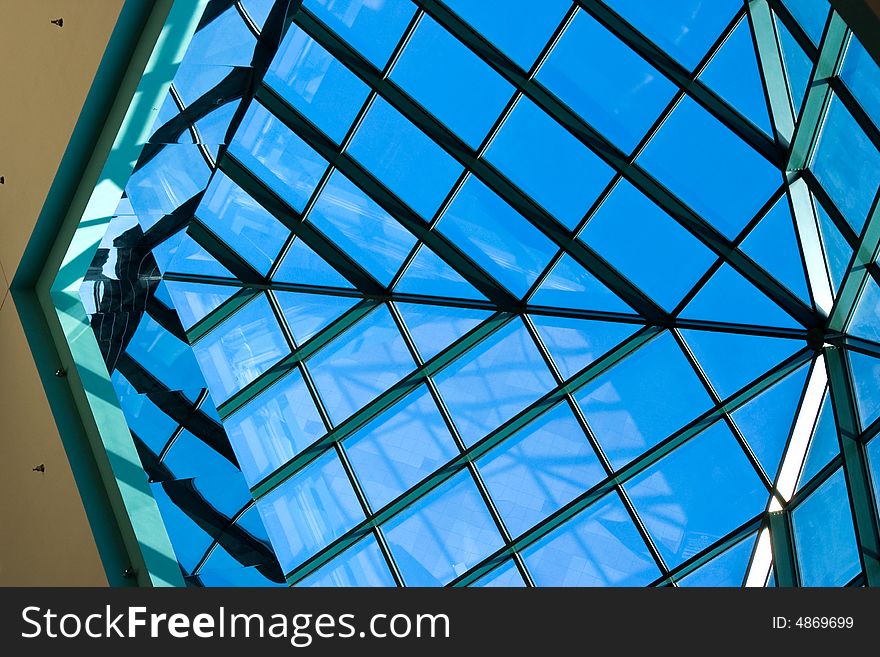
(784, 564)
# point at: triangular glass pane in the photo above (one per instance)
(727, 569)
(866, 320)
(866, 375)
(571, 286)
(193, 301)
(575, 343)
(810, 15)
(733, 74)
(773, 245)
(728, 297)
(304, 266)
(428, 274)
(731, 360)
(824, 445)
(191, 258)
(837, 251)
(433, 328)
(307, 314)
(766, 420)
(798, 66)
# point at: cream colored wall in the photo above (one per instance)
(45, 74)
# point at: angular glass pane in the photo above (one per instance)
(162, 185)
(400, 448)
(575, 343)
(186, 256)
(838, 252)
(504, 576)
(726, 184)
(451, 82)
(404, 158)
(683, 28)
(598, 547)
(548, 163)
(494, 381)
(360, 565)
(798, 66)
(193, 301)
(188, 539)
(539, 469)
(433, 328)
(727, 569)
(190, 457)
(166, 357)
(274, 427)
(658, 255)
(360, 364)
(693, 497)
(571, 286)
(847, 164)
(355, 222)
(240, 349)
(824, 538)
(308, 511)
(621, 98)
(242, 223)
(824, 444)
(302, 265)
(374, 28)
(518, 30)
(429, 274)
(443, 534)
(307, 314)
(642, 400)
(810, 15)
(862, 75)
(873, 451)
(497, 237)
(866, 374)
(866, 319)
(316, 84)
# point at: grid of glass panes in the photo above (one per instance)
(444, 364)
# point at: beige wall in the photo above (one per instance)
(45, 74)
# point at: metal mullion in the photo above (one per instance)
(771, 64)
(203, 395)
(223, 253)
(783, 550)
(854, 344)
(220, 314)
(810, 486)
(246, 18)
(193, 130)
(216, 543)
(822, 199)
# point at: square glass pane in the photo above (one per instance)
(403, 158)
(443, 534)
(316, 84)
(360, 565)
(539, 469)
(862, 76)
(494, 381)
(642, 400)
(164, 356)
(453, 83)
(621, 97)
(496, 236)
(276, 155)
(308, 511)
(162, 185)
(548, 163)
(240, 349)
(598, 547)
(726, 184)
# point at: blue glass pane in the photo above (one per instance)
(862, 75)
(866, 375)
(443, 534)
(161, 186)
(355, 222)
(242, 223)
(451, 82)
(824, 444)
(191, 457)
(274, 427)
(165, 357)
(494, 381)
(258, 10)
(822, 524)
(518, 31)
(697, 494)
(404, 158)
(240, 349)
(498, 238)
(727, 569)
(642, 400)
(316, 84)
(548, 163)
(360, 565)
(504, 576)
(304, 266)
(575, 343)
(188, 540)
(227, 494)
(658, 255)
(598, 547)
(192, 301)
(621, 98)
(728, 297)
(307, 314)
(683, 28)
(374, 28)
(360, 364)
(428, 274)
(147, 421)
(189, 257)
(213, 128)
(733, 74)
(837, 250)
(539, 469)
(400, 448)
(225, 40)
(810, 15)
(798, 66)
(277, 156)
(726, 184)
(847, 164)
(866, 319)
(434, 328)
(571, 286)
(194, 79)
(308, 511)
(873, 451)
(732, 360)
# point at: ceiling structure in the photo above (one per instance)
(554, 294)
